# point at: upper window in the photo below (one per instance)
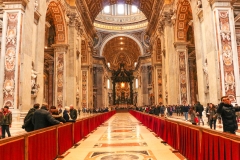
(106, 9)
(134, 9)
(120, 8)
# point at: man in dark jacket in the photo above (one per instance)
(228, 114)
(28, 126)
(42, 118)
(73, 112)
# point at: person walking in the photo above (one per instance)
(199, 110)
(185, 110)
(193, 116)
(228, 114)
(5, 121)
(212, 114)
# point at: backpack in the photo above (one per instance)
(28, 126)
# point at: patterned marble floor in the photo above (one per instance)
(122, 137)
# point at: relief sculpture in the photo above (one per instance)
(229, 81)
(8, 88)
(10, 59)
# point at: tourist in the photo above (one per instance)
(28, 125)
(73, 112)
(228, 114)
(199, 109)
(42, 118)
(5, 121)
(212, 114)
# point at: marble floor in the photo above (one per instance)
(122, 137)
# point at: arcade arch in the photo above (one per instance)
(55, 33)
(184, 34)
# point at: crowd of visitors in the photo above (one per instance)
(42, 117)
(38, 118)
(224, 112)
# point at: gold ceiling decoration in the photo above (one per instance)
(121, 50)
(120, 27)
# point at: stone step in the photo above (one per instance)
(23, 115)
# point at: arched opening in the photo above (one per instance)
(121, 50)
(54, 34)
(185, 33)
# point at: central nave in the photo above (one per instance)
(122, 137)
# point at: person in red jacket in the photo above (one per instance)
(5, 121)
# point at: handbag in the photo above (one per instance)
(196, 119)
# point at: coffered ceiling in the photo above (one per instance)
(121, 50)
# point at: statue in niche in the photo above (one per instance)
(205, 71)
(34, 85)
(77, 94)
(147, 39)
(51, 34)
(95, 41)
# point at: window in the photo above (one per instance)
(120, 8)
(134, 9)
(108, 84)
(136, 83)
(106, 9)
(135, 64)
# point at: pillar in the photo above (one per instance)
(226, 48)
(60, 51)
(184, 88)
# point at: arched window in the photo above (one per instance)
(106, 9)
(120, 9)
(108, 84)
(134, 9)
(136, 83)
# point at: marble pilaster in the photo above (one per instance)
(10, 58)
(184, 88)
(227, 49)
(170, 84)
(144, 82)
(84, 100)
(50, 83)
(60, 51)
(71, 64)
